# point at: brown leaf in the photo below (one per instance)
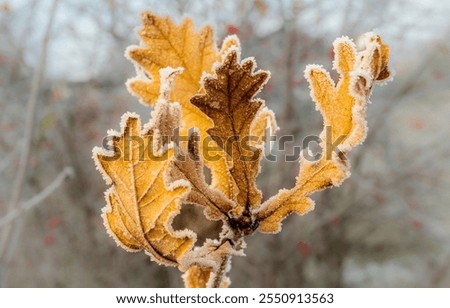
(229, 103)
(189, 166)
(374, 58)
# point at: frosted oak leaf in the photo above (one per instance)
(165, 44)
(209, 96)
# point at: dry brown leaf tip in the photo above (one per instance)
(209, 95)
(188, 165)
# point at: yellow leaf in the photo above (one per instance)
(313, 177)
(208, 265)
(335, 103)
(343, 106)
(264, 120)
(163, 44)
(198, 277)
(229, 103)
(343, 109)
(140, 204)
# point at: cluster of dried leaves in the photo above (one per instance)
(191, 84)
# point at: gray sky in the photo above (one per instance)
(78, 47)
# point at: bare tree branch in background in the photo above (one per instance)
(19, 180)
(37, 199)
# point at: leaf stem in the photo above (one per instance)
(218, 277)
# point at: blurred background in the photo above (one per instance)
(62, 74)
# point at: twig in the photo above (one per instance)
(19, 180)
(14, 240)
(47, 191)
(218, 278)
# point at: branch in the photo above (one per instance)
(219, 276)
(19, 180)
(67, 172)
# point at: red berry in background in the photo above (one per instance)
(417, 123)
(335, 221)
(439, 75)
(304, 248)
(54, 222)
(95, 135)
(7, 127)
(417, 224)
(268, 87)
(296, 82)
(331, 53)
(49, 240)
(231, 29)
(3, 59)
(413, 204)
(379, 197)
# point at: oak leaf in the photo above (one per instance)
(229, 102)
(141, 202)
(165, 44)
(343, 106)
(188, 163)
(264, 122)
(199, 277)
(209, 96)
(196, 277)
(343, 109)
(140, 205)
(207, 266)
(313, 176)
(189, 166)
